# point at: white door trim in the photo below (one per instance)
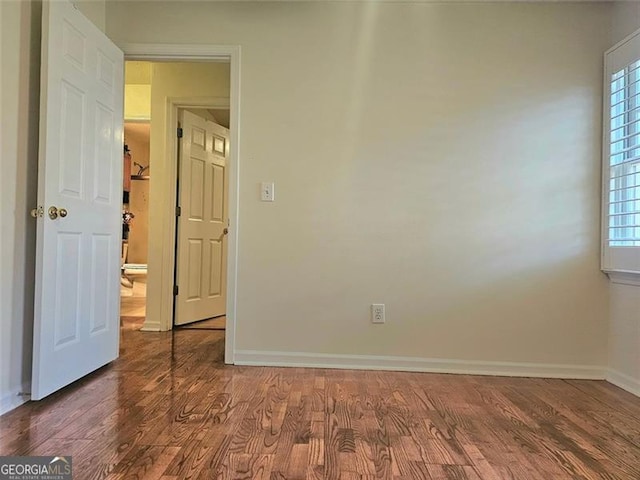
(203, 53)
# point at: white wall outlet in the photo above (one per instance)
(377, 313)
(267, 192)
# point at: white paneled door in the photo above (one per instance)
(77, 313)
(202, 225)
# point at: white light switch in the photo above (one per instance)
(266, 191)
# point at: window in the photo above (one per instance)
(621, 158)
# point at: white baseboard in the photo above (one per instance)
(13, 399)
(619, 379)
(150, 326)
(417, 364)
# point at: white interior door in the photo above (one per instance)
(202, 246)
(77, 313)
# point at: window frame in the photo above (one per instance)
(615, 259)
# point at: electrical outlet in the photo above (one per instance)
(377, 313)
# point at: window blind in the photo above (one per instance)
(624, 157)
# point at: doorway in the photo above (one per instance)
(155, 93)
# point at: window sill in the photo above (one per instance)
(624, 277)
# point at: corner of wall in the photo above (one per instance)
(13, 399)
(625, 382)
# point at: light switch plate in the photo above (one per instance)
(267, 191)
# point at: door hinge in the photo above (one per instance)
(180, 132)
(178, 211)
(175, 290)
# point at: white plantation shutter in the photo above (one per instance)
(621, 157)
(624, 157)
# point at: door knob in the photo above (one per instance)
(53, 213)
(225, 231)
(37, 212)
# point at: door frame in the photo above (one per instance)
(196, 53)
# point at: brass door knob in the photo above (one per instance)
(37, 212)
(225, 231)
(54, 212)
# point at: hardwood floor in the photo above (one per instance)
(216, 323)
(169, 409)
(133, 300)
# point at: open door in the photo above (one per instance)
(76, 326)
(202, 226)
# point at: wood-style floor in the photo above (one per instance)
(133, 299)
(216, 323)
(169, 409)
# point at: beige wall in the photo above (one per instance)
(94, 10)
(137, 90)
(137, 102)
(441, 159)
(20, 36)
(175, 81)
(624, 323)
